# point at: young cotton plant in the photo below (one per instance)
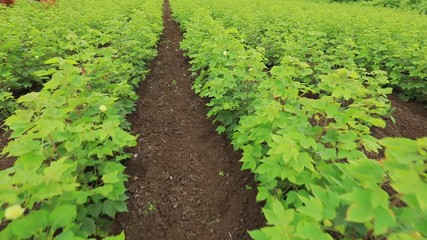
(328, 37)
(229, 72)
(309, 156)
(67, 177)
(308, 140)
(68, 139)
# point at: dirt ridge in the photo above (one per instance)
(185, 180)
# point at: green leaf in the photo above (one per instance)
(406, 236)
(220, 129)
(277, 215)
(88, 226)
(94, 209)
(32, 223)
(328, 154)
(306, 143)
(304, 160)
(359, 212)
(121, 236)
(32, 160)
(62, 215)
(108, 208)
(263, 194)
(384, 219)
(258, 235)
(379, 198)
(111, 177)
(68, 235)
(370, 143)
(311, 230)
(312, 208)
(120, 206)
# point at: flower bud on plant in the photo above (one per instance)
(102, 108)
(14, 212)
(316, 117)
(327, 223)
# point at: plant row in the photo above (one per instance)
(307, 140)
(68, 139)
(332, 36)
(415, 5)
(31, 33)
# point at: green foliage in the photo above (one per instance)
(68, 159)
(7, 104)
(68, 139)
(304, 129)
(114, 40)
(415, 5)
(228, 71)
(332, 36)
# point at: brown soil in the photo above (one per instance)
(411, 120)
(4, 161)
(185, 179)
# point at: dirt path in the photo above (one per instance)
(411, 120)
(5, 162)
(185, 180)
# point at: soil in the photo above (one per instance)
(411, 120)
(5, 162)
(185, 180)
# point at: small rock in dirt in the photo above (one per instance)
(133, 188)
